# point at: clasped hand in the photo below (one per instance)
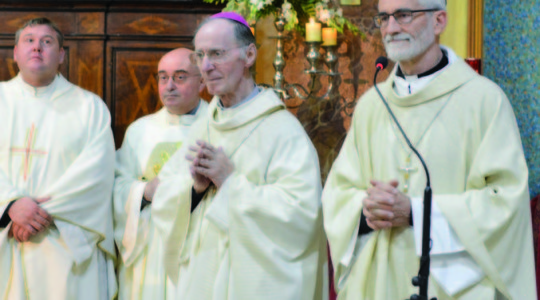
(28, 218)
(208, 164)
(386, 206)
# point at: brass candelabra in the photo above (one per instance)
(313, 57)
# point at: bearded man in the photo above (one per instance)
(464, 126)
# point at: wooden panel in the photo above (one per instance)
(8, 67)
(85, 23)
(86, 67)
(183, 25)
(132, 89)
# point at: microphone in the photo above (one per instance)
(422, 279)
(381, 63)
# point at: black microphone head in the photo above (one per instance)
(381, 63)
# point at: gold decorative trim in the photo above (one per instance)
(476, 29)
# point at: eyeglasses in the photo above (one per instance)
(178, 77)
(215, 56)
(401, 17)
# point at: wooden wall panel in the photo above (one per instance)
(156, 25)
(8, 67)
(70, 23)
(86, 64)
(131, 72)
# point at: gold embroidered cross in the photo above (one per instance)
(407, 171)
(28, 151)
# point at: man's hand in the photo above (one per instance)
(212, 163)
(386, 206)
(19, 233)
(150, 189)
(200, 182)
(28, 218)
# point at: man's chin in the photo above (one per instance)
(397, 56)
(213, 89)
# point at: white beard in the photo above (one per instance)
(411, 47)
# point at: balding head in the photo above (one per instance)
(181, 58)
(179, 81)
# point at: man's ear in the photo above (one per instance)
(251, 55)
(201, 85)
(62, 55)
(441, 20)
(15, 53)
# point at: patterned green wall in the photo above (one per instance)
(512, 59)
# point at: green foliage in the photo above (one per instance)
(295, 12)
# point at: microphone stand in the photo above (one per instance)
(422, 279)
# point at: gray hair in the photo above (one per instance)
(242, 33)
(41, 21)
(438, 4)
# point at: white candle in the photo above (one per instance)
(313, 31)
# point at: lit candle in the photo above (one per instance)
(329, 36)
(313, 31)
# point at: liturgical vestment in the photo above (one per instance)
(465, 129)
(56, 141)
(148, 145)
(260, 235)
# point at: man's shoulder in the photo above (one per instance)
(283, 119)
(482, 84)
(7, 85)
(283, 125)
(143, 122)
(82, 93)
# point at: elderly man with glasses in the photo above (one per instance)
(148, 144)
(464, 126)
(239, 207)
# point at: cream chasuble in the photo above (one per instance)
(57, 142)
(260, 235)
(464, 127)
(148, 145)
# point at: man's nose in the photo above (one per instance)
(170, 84)
(37, 47)
(206, 65)
(393, 26)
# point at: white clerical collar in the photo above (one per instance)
(38, 92)
(185, 119)
(253, 94)
(408, 85)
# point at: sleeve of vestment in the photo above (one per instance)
(8, 193)
(492, 217)
(171, 208)
(81, 199)
(131, 224)
(343, 193)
